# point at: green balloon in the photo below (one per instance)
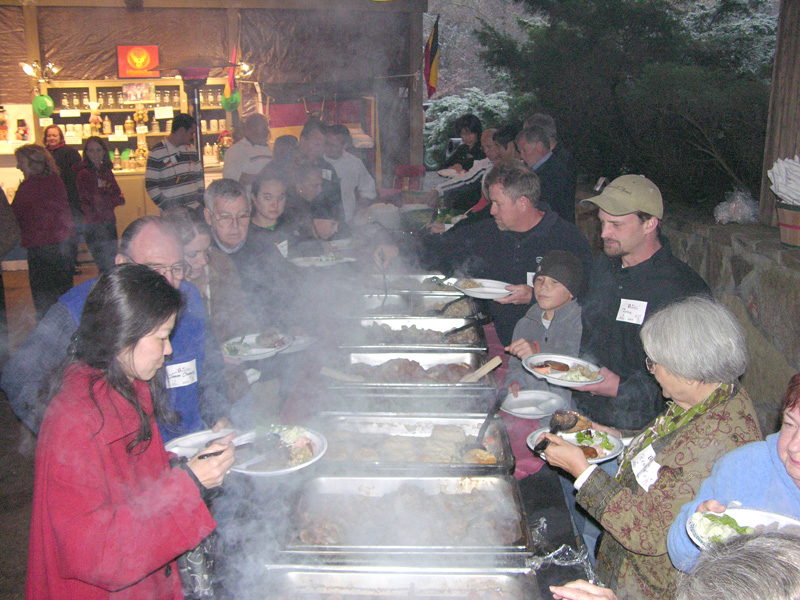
(231, 103)
(43, 105)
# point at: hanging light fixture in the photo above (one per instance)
(244, 69)
(42, 74)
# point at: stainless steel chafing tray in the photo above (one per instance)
(415, 283)
(361, 337)
(401, 400)
(414, 305)
(465, 521)
(426, 360)
(410, 443)
(453, 584)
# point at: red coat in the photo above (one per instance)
(99, 194)
(42, 211)
(105, 520)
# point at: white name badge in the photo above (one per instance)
(283, 248)
(645, 468)
(632, 311)
(327, 174)
(531, 277)
(182, 374)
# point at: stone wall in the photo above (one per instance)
(759, 281)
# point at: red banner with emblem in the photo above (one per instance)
(137, 61)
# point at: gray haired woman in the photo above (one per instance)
(696, 351)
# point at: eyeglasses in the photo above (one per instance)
(178, 270)
(651, 366)
(227, 220)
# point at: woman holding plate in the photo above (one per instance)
(696, 351)
(763, 476)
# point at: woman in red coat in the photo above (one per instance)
(42, 212)
(99, 194)
(110, 514)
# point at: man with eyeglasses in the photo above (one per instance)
(193, 373)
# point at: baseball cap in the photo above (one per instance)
(629, 194)
(565, 268)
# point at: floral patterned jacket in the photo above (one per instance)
(632, 558)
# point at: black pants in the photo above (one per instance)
(50, 271)
(102, 241)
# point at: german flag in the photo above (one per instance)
(432, 59)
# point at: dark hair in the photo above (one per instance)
(187, 223)
(106, 163)
(339, 129)
(125, 304)
(469, 122)
(506, 133)
(40, 161)
(54, 126)
(310, 127)
(284, 147)
(517, 181)
(791, 398)
(272, 172)
(182, 121)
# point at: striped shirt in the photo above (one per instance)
(174, 176)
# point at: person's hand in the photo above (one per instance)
(522, 348)
(436, 227)
(514, 389)
(522, 294)
(385, 254)
(581, 590)
(608, 387)
(223, 423)
(212, 470)
(711, 505)
(560, 453)
(458, 168)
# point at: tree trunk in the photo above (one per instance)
(783, 125)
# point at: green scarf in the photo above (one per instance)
(672, 419)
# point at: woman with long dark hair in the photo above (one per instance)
(48, 234)
(99, 195)
(110, 514)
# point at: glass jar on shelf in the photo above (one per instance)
(157, 97)
(75, 100)
(120, 99)
(218, 98)
(110, 103)
(101, 100)
(176, 99)
(85, 101)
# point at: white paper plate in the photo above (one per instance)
(533, 404)
(572, 439)
(189, 445)
(318, 442)
(300, 343)
(744, 517)
(245, 348)
(490, 289)
(342, 244)
(326, 260)
(412, 207)
(567, 360)
(447, 172)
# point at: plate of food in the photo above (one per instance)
(277, 450)
(484, 289)
(597, 446)
(708, 528)
(449, 172)
(533, 404)
(188, 445)
(565, 371)
(256, 346)
(324, 260)
(300, 343)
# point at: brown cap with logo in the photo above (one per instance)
(629, 194)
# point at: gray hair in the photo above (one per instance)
(534, 134)
(764, 566)
(229, 189)
(698, 339)
(516, 179)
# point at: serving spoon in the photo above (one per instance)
(562, 420)
(493, 409)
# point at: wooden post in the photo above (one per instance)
(783, 125)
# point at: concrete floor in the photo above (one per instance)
(17, 447)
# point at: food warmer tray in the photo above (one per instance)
(343, 432)
(406, 401)
(427, 360)
(413, 305)
(405, 520)
(301, 583)
(357, 337)
(414, 283)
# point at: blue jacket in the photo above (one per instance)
(753, 475)
(197, 388)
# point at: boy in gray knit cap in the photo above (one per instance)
(552, 325)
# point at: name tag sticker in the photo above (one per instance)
(645, 468)
(632, 311)
(327, 174)
(182, 374)
(283, 248)
(531, 277)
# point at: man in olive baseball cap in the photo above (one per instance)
(629, 194)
